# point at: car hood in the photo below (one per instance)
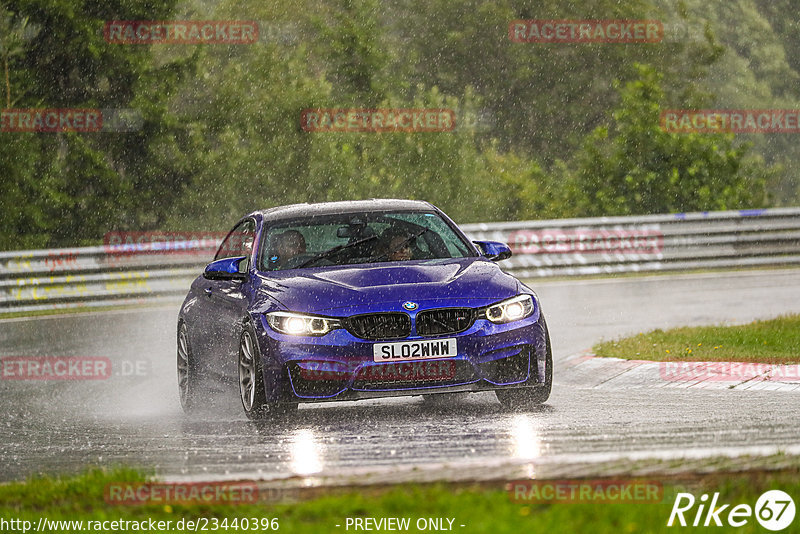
(356, 289)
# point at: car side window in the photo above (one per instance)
(239, 242)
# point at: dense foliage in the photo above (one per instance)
(542, 130)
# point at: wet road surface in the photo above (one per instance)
(133, 417)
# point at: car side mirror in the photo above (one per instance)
(493, 250)
(227, 269)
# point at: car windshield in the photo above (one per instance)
(356, 238)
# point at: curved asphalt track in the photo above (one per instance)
(133, 418)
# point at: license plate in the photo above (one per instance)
(414, 350)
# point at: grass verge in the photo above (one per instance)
(775, 341)
(479, 509)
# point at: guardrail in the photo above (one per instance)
(121, 274)
(683, 241)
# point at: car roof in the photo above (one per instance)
(351, 206)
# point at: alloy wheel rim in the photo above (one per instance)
(247, 372)
(183, 364)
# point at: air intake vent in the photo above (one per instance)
(378, 326)
(444, 321)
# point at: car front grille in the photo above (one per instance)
(444, 321)
(379, 326)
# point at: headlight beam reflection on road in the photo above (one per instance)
(306, 458)
(525, 440)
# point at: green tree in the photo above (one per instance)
(255, 155)
(80, 186)
(633, 167)
(12, 38)
(350, 39)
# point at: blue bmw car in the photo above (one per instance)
(354, 300)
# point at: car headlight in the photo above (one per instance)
(298, 324)
(509, 310)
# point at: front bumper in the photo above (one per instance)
(340, 366)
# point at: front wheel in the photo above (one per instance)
(529, 397)
(251, 381)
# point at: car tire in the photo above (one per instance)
(530, 397)
(251, 381)
(189, 387)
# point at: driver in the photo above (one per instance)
(291, 244)
(399, 248)
(396, 245)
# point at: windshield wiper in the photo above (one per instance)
(334, 250)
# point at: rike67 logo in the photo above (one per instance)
(774, 510)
